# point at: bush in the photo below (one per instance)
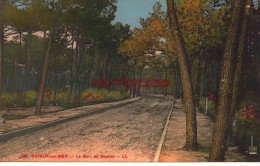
(103, 95)
(5, 100)
(115, 94)
(30, 98)
(212, 112)
(248, 123)
(89, 95)
(48, 95)
(94, 95)
(62, 96)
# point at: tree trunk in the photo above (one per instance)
(242, 48)
(75, 86)
(43, 79)
(55, 84)
(166, 89)
(27, 67)
(138, 88)
(2, 8)
(134, 88)
(225, 94)
(191, 123)
(201, 89)
(198, 78)
(74, 56)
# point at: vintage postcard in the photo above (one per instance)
(129, 80)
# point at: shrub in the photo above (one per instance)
(212, 112)
(5, 100)
(30, 98)
(115, 94)
(102, 94)
(48, 95)
(248, 124)
(62, 96)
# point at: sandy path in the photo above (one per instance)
(175, 139)
(128, 133)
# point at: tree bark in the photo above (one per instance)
(138, 88)
(75, 87)
(56, 79)
(219, 136)
(2, 8)
(166, 89)
(134, 88)
(74, 56)
(242, 48)
(198, 78)
(27, 66)
(191, 123)
(43, 79)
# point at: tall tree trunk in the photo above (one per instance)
(27, 67)
(242, 48)
(126, 76)
(12, 79)
(191, 123)
(56, 79)
(198, 78)
(2, 8)
(202, 84)
(74, 56)
(220, 136)
(43, 79)
(134, 88)
(75, 87)
(138, 88)
(166, 89)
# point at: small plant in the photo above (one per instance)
(102, 94)
(115, 94)
(249, 112)
(30, 98)
(90, 96)
(61, 96)
(248, 124)
(212, 97)
(48, 94)
(5, 100)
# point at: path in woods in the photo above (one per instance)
(127, 133)
(51, 114)
(175, 139)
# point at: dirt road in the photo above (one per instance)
(128, 133)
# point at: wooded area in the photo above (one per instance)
(51, 51)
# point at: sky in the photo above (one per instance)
(130, 11)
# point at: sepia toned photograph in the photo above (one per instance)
(129, 81)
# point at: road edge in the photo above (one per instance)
(159, 147)
(16, 133)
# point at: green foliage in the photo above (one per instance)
(103, 94)
(153, 36)
(212, 108)
(247, 126)
(8, 100)
(15, 117)
(201, 24)
(247, 123)
(62, 96)
(5, 100)
(30, 98)
(212, 112)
